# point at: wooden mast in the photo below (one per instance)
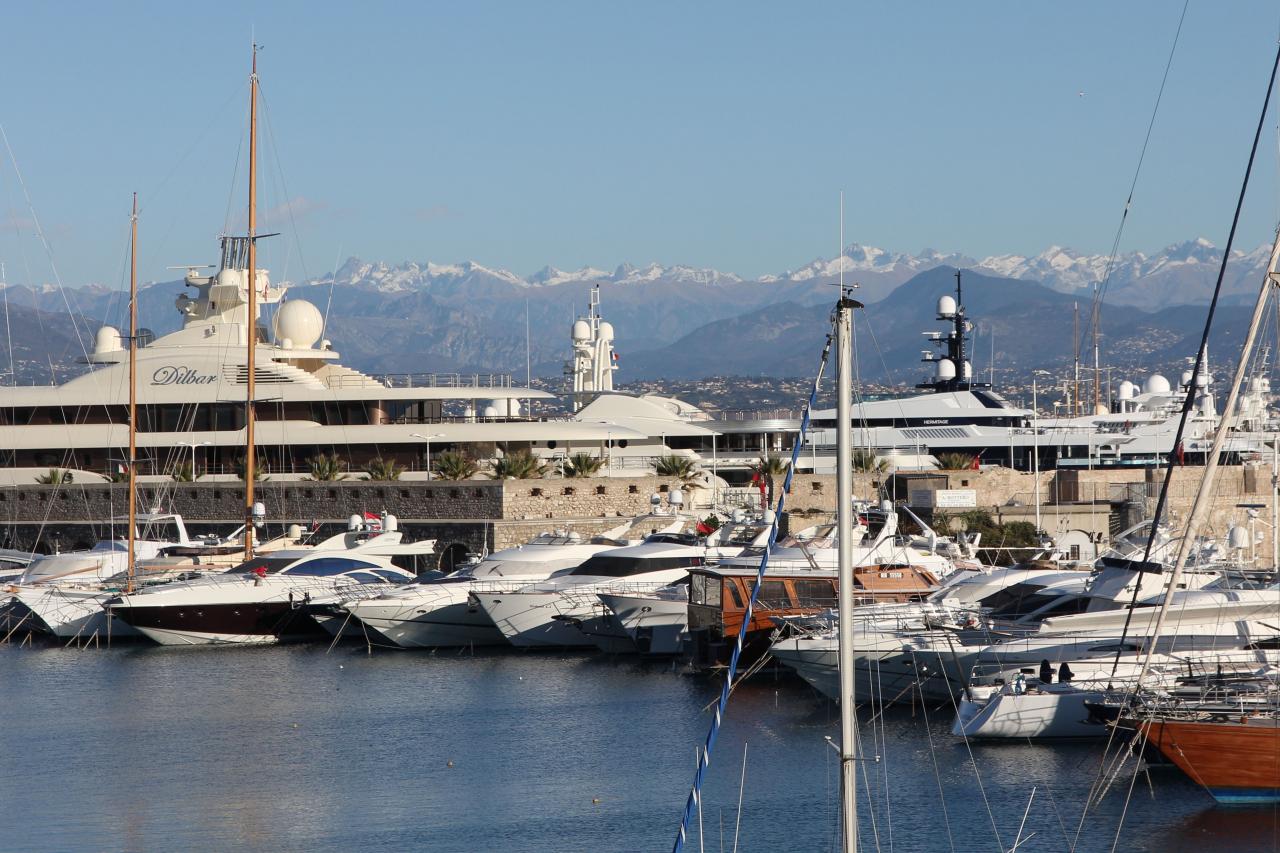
(251, 323)
(133, 394)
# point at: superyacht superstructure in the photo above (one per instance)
(191, 397)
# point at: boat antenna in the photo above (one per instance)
(251, 320)
(131, 564)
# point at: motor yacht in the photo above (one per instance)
(267, 599)
(565, 610)
(443, 612)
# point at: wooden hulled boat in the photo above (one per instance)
(1236, 759)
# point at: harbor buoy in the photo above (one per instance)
(448, 763)
(595, 801)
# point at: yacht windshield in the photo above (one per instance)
(270, 565)
(603, 565)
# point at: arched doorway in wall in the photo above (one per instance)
(453, 556)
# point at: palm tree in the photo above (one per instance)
(327, 468)
(954, 461)
(454, 465)
(259, 470)
(183, 473)
(520, 465)
(582, 465)
(865, 462)
(681, 468)
(384, 469)
(55, 477)
(768, 468)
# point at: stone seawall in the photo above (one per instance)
(484, 515)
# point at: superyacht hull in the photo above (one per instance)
(452, 625)
(234, 623)
(654, 626)
(886, 668)
(530, 620)
(67, 614)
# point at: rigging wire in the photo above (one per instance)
(704, 754)
(1100, 293)
(39, 230)
(1197, 369)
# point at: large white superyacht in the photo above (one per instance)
(191, 394)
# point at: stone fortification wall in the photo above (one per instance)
(486, 514)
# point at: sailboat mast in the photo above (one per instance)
(1200, 503)
(1075, 337)
(844, 539)
(1097, 368)
(133, 395)
(251, 322)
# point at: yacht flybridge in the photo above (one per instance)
(191, 391)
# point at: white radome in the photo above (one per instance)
(108, 340)
(300, 322)
(946, 306)
(581, 331)
(1155, 384)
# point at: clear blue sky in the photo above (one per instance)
(716, 134)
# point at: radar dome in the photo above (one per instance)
(300, 322)
(1127, 390)
(1155, 384)
(606, 331)
(946, 306)
(946, 368)
(968, 369)
(581, 330)
(108, 340)
(1186, 378)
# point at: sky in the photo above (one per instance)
(715, 134)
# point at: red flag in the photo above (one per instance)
(1182, 454)
(976, 466)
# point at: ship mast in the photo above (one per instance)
(251, 322)
(1075, 337)
(1097, 367)
(133, 395)
(844, 543)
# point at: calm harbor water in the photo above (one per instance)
(143, 748)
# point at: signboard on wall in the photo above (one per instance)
(945, 498)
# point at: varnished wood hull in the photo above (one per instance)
(1237, 762)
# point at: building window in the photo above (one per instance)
(535, 493)
(568, 490)
(600, 490)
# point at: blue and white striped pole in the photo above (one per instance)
(704, 755)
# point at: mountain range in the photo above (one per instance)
(683, 321)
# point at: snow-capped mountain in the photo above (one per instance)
(1182, 273)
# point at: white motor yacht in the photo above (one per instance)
(62, 594)
(441, 612)
(267, 599)
(655, 623)
(565, 610)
